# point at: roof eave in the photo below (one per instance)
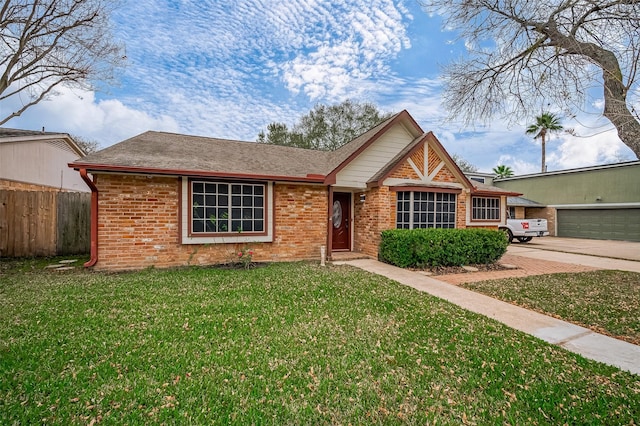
(475, 191)
(106, 168)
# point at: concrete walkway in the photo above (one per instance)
(583, 341)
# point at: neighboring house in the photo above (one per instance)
(486, 178)
(162, 199)
(518, 207)
(601, 202)
(523, 208)
(37, 161)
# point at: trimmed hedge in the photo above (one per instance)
(420, 248)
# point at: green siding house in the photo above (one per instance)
(600, 202)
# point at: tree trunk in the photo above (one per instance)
(615, 92)
(615, 109)
(544, 154)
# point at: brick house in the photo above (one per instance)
(162, 199)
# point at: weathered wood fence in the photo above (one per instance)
(34, 223)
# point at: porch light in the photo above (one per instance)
(362, 198)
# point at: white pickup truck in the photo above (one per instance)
(525, 229)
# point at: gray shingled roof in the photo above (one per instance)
(168, 152)
(6, 132)
(182, 153)
(523, 202)
(482, 187)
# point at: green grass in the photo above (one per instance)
(284, 344)
(605, 301)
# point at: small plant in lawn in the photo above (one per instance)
(244, 257)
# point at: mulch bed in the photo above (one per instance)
(449, 270)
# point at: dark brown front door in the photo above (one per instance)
(341, 217)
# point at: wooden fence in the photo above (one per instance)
(34, 223)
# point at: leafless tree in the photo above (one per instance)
(89, 146)
(527, 54)
(48, 43)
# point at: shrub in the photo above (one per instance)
(441, 247)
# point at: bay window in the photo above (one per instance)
(425, 210)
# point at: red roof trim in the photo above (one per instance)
(484, 193)
(194, 173)
(403, 115)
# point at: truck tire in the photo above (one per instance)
(525, 239)
(508, 233)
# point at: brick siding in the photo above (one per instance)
(138, 225)
(376, 214)
(405, 172)
(433, 160)
(548, 213)
(418, 158)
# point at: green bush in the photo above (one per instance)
(420, 248)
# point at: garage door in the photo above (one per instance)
(600, 224)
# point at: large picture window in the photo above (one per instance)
(485, 208)
(222, 207)
(425, 210)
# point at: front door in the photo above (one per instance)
(341, 239)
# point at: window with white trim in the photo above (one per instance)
(227, 207)
(425, 210)
(485, 208)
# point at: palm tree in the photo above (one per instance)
(546, 122)
(502, 171)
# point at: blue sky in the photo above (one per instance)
(227, 68)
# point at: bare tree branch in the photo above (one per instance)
(49, 43)
(526, 54)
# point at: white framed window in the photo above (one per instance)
(485, 208)
(221, 207)
(215, 211)
(425, 210)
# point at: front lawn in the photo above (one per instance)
(605, 301)
(285, 344)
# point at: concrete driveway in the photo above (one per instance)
(604, 248)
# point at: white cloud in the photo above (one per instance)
(226, 69)
(519, 165)
(573, 151)
(77, 112)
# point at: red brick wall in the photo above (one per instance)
(301, 215)
(445, 175)
(405, 171)
(548, 213)
(373, 216)
(138, 225)
(434, 160)
(418, 158)
(461, 210)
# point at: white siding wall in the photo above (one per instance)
(41, 163)
(359, 171)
